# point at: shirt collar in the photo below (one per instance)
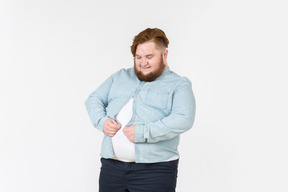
(166, 71)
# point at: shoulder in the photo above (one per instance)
(125, 71)
(177, 79)
(125, 74)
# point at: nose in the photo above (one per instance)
(144, 62)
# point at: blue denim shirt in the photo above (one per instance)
(162, 110)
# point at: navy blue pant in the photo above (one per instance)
(117, 176)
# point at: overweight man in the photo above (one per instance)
(141, 112)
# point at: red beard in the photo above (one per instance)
(152, 75)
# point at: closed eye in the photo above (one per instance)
(149, 56)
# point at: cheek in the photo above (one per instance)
(154, 64)
(138, 64)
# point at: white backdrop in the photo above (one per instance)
(54, 53)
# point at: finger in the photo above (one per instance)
(125, 130)
(108, 130)
(115, 126)
(111, 133)
(113, 121)
(126, 133)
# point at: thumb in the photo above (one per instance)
(113, 121)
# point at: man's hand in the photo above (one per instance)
(129, 132)
(111, 127)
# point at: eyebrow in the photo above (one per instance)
(145, 55)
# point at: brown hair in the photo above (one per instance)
(156, 35)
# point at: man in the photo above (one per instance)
(142, 111)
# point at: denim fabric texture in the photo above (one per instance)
(162, 110)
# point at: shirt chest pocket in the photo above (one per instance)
(158, 98)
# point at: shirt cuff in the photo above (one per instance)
(101, 123)
(139, 133)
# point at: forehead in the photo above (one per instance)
(148, 47)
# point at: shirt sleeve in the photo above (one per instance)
(97, 102)
(180, 119)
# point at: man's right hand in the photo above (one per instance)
(111, 127)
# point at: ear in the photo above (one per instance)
(165, 54)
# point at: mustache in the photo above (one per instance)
(152, 76)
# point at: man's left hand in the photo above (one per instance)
(129, 132)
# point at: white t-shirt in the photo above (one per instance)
(124, 149)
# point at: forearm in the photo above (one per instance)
(180, 120)
(96, 110)
(163, 129)
(97, 102)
